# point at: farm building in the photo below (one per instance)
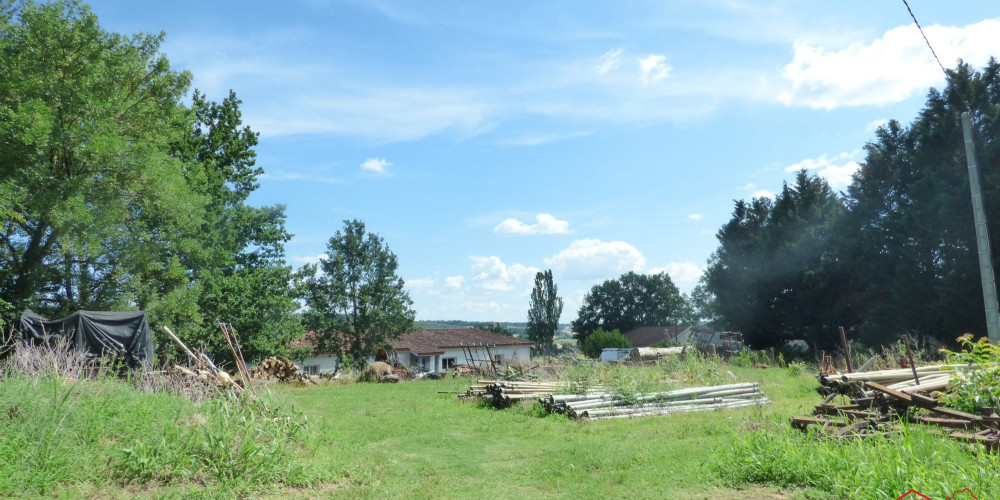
(436, 350)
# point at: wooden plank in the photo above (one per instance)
(990, 442)
(856, 414)
(803, 422)
(924, 401)
(951, 423)
(834, 410)
(955, 413)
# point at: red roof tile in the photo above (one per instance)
(433, 341)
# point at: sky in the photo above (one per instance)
(485, 141)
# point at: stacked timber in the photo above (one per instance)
(924, 378)
(598, 403)
(606, 406)
(880, 400)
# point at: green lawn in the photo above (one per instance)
(406, 440)
(103, 439)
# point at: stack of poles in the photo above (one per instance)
(503, 393)
(606, 406)
(924, 378)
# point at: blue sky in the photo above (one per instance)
(488, 140)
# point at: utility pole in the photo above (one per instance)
(982, 236)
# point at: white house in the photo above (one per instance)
(436, 350)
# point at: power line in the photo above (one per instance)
(929, 46)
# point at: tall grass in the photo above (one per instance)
(866, 468)
(60, 428)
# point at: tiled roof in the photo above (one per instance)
(435, 341)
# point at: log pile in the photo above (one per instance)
(598, 403)
(278, 367)
(880, 400)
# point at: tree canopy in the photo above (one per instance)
(630, 301)
(115, 194)
(355, 300)
(895, 254)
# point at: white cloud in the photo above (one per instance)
(889, 69)
(547, 224)
(609, 61)
(836, 170)
(420, 283)
(454, 281)
(763, 193)
(376, 165)
(280, 175)
(309, 259)
(496, 276)
(592, 258)
(684, 274)
(694, 216)
(874, 125)
(749, 187)
(653, 68)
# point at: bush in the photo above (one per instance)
(600, 340)
(978, 388)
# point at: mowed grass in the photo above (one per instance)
(407, 441)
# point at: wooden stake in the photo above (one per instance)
(847, 350)
(909, 354)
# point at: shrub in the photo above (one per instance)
(974, 389)
(600, 340)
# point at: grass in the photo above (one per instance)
(65, 437)
(408, 441)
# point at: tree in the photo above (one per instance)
(116, 195)
(773, 277)
(495, 328)
(600, 339)
(628, 302)
(544, 310)
(358, 302)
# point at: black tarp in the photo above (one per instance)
(96, 333)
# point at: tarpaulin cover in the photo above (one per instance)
(96, 333)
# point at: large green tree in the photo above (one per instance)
(355, 300)
(544, 309)
(630, 301)
(773, 277)
(114, 194)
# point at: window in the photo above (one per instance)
(447, 363)
(310, 370)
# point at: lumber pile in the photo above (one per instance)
(606, 406)
(879, 400)
(599, 403)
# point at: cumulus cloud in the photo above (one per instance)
(889, 69)
(376, 165)
(684, 274)
(420, 283)
(454, 282)
(749, 187)
(694, 216)
(762, 193)
(593, 258)
(653, 68)
(609, 61)
(496, 276)
(546, 224)
(836, 170)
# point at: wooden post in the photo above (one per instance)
(909, 354)
(847, 350)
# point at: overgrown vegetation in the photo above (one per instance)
(601, 339)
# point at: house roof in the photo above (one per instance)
(435, 341)
(646, 336)
(432, 341)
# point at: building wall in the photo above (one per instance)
(437, 362)
(319, 363)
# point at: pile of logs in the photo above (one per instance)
(879, 400)
(281, 368)
(598, 403)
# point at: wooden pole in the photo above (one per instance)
(982, 235)
(847, 350)
(181, 345)
(909, 354)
